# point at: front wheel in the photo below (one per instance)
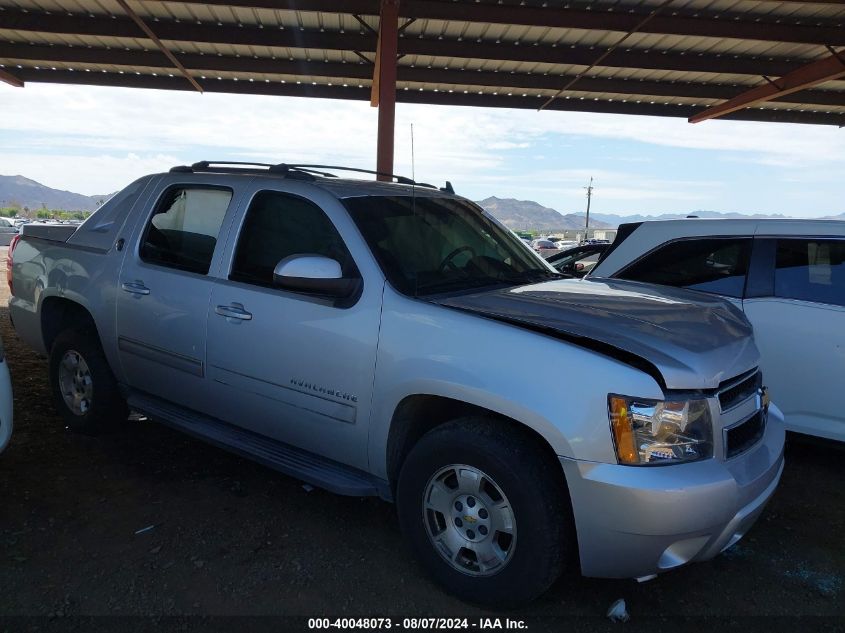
(85, 391)
(485, 509)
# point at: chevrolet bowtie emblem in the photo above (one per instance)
(470, 519)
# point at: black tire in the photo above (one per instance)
(532, 482)
(106, 408)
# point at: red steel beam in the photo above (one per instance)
(686, 22)
(607, 53)
(9, 78)
(230, 86)
(578, 55)
(149, 33)
(388, 42)
(826, 69)
(42, 55)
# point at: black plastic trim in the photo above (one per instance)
(623, 232)
(760, 281)
(309, 467)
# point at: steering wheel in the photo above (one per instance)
(447, 261)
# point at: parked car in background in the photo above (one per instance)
(544, 247)
(564, 244)
(350, 333)
(7, 231)
(6, 401)
(788, 276)
(577, 261)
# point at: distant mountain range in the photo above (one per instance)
(24, 192)
(529, 215)
(515, 214)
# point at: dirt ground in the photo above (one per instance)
(149, 522)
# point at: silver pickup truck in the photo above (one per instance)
(381, 338)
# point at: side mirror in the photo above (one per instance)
(314, 274)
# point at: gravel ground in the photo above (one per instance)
(149, 522)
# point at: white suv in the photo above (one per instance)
(788, 276)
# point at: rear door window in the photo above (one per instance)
(184, 229)
(716, 265)
(811, 270)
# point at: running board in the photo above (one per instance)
(310, 468)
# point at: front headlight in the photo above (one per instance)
(649, 432)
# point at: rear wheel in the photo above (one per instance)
(84, 389)
(486, 510)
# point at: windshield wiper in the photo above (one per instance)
(528, 276)
(470, 283)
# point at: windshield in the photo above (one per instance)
(432, 245)
(571, 255)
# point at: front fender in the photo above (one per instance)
(553, 387)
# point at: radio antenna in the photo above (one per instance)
(413, 172)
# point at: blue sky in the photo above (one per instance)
(96, 140)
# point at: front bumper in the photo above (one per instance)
(633, 521)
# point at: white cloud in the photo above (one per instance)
(788, 144)
(94, 140)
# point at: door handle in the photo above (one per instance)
(135, 287)
(234, 311)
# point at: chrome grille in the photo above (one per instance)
(741, 437)
(744, 412)
(738, 390)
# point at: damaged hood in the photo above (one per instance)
(694, 340)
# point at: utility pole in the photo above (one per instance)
(589, 189)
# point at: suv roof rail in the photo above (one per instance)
(205, 165)
(402, 180)
(236, 167)
(291, 170)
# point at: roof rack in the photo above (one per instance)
(296, 171)
(205, 165)
(234, 167)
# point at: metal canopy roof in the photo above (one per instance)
(655, 57)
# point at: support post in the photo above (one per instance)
(385, 78)
(9, 78)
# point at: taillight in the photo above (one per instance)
(12, 246)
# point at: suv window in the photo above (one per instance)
(811, 270)
(183, 231)
(278, 225)
(710, 265)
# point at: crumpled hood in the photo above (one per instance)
(694, 340)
